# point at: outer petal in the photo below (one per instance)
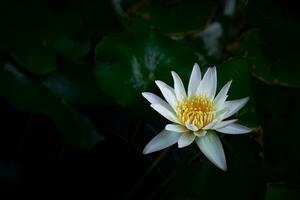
(212, 148)
(165, 112)
(168, 93)
(234, 106)
(194, 80)
(186, 139)
(178, 87)
(234, 129)
(222, 96)
(208, 84)
(163, 140)
(222, 124)
(154, 99)
(176, 128)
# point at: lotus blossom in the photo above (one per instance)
(196, 115)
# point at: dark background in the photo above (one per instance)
(73, 119)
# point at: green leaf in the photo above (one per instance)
(282, 191)
(279, 68)
(31, 96)
(37, 60)
(29, 29)
(128, 63)
(77, 84)
(281, 141)
(198, 178)
(239, 71)
(202, 180)
(175, 17)
(72, 48)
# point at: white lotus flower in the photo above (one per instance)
(196, 115)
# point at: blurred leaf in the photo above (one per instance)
(280, 123)
(239, 71)
(279, 192)
(36, 60)
(128, 63)
(31, 96)
(280, 67)
(200, 179)
(181, 17)
(29, 29)
(77, 84)
(204, 181)
(73, 48)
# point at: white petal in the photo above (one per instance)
(178, 87)
(222, 96)
(222, 124)
(191, 127)
(186, 139)
(176, 128)
(165, 112)
(212, 148)
(214, 82)
(154, 99)
(208, 85)
(194, 80)
(168, 93)
(234, 129)
(163, 140)
(234, 106)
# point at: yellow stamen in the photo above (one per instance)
(198, 111)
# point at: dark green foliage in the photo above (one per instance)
(78, 68)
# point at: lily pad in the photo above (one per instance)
(31, 96)
(278, 69)
(173, 17)
(128, 63)
(282, 191)
(239, 71)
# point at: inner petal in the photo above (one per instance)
(198, 111)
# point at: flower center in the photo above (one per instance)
(198, 111)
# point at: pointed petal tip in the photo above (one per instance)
(213, 69)
(224, 168)
(179, 145)
(212, 148)
(157, 82)
(161, 141)
(245, 101)
(176, 128)
(144, 94)
(146, 151)
(194, 80)
(196, 65)
(234, 128)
